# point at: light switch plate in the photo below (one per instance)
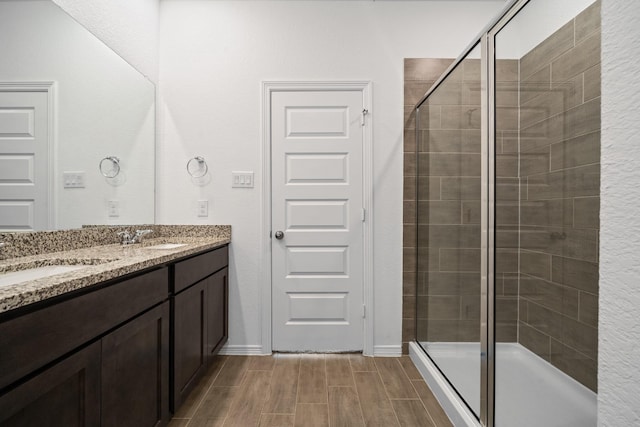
(113, 208)
(203, 208)
(242, 179)
(73, 179)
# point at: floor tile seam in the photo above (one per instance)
(206, 392)
(405, 371)
(433, 420)
(233, 401)
(297, 387)
(277, 413)
(296, 414)
(226, 415)
(324, 360)
(386, 392)
(266, 396)
(408, 379)
(326, 393)
(295, 409)
(355, 389)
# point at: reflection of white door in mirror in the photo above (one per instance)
(25, 132)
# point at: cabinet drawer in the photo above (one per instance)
(67, 394)
(194, 269)
(38, 338)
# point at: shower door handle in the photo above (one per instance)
(279, 235)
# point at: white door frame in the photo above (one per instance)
(269, 87)
(49, 88)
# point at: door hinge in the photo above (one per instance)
(364, 311)
(363, 214)
(364, 113)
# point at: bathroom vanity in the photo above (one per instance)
(118, 343)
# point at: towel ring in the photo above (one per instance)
(111, 169)
(197, 167)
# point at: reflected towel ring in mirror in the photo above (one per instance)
(110, 166)
(197, 167)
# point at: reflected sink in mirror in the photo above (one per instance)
(166, 246)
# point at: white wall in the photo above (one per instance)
(213, 57)
(619, 326)
(129, 27)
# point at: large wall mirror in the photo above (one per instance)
(68, 105)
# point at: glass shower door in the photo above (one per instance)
(449, 229)
(547, 144)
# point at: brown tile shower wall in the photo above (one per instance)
(560, 173)
(419, 75)
(448, 218)
(448, 277)
(507, 201)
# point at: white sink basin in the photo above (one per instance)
(166, 246)
(36, 273)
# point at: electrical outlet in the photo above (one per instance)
(73, 179)
(203, 208)
(113, 208)
(242, 179)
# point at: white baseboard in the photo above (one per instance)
(387, 350)
(242, 350)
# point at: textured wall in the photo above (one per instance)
(619, 356)
(129, 27)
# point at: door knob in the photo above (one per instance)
(279, 235)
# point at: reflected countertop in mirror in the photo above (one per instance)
(67, 101)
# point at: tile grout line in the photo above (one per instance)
(418, 394)
(226, 416)
(422, 401)
(295, 409)
(204, 395)
(384, 387)
(355, 388)
(268, 397)
(326, 388)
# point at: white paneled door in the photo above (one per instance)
(317, 220)
(24, 160)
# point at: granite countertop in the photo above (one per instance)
(103, 262)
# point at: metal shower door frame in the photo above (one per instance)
(486, 40)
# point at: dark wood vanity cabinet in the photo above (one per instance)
(121, 353)
(200, 318)
(98, 358)
(66, 394)
(218, 311)
(135, 371)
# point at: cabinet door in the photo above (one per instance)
(217, 311)
(64, 395)
(135, 371)
(190, 333)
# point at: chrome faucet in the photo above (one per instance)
(127, 238)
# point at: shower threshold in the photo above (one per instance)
(530, 392)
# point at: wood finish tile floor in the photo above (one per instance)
(300, 390)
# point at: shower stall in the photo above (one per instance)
(507, 221)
